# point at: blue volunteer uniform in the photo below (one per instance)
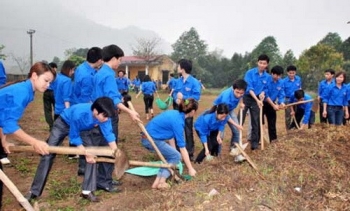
(257, 83)
(2, 74)
(275, 90)
(148, 88)
(335, 98)
(123, 84)
(189, 88)
(83, 84)
(62, 90)
(228, 97)
(291, 86)
(13, 104)
(72, 122)
(165, 126)
(305, 110)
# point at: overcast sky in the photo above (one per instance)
(230, 25)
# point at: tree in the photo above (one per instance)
(333, 40)
(146, 48)
(314, 61)
(269, 47)
(288, 59)
(189, 46)
(56, 60)
(345, 49)
(78, 56)
(2, 56)
(23, 62)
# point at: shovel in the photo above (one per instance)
(121, 161)
(177, 176)
(235, 151)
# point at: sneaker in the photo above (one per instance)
(234, 151)
(71, 157)
(239, 158)
(5, 161)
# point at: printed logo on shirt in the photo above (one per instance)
(188, 89)
(279, 88)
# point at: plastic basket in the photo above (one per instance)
(163, 105)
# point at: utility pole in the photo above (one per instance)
(31, 32)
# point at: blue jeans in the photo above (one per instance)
(171, 155)
(335, 115)
(234, 130)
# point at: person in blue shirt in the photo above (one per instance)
(83, 76)
(274, 100)
(232, 97)
(291, 83)
(256, 79)
(136, 83)
(335, 101)
(2, 74)
(209, 127)
(105, 86)
(71, 122)
(164, 128)
(303, 111)
(3, 155)
(122, 82)
(13, 105)
(148, 89)
(62, 88)
(322, 86)
(82, 86)
(49, 101)
(171, 82)
(187, 87)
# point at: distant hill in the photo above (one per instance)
(57, 30)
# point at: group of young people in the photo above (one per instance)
(88, 113)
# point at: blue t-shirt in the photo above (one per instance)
(14, 99)
(105, 85)
(79, 117)
(208, 122)
(167, 125)
(83, 84)
(122, 83)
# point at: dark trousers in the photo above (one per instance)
(189, 136)
(299, 114)
(213, 146)
(322, 119)
(254, 111)
(148, 100)
(3, 154)
(49, 105)
(271, 116)
(1, 188)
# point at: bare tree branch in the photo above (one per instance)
(146, 48)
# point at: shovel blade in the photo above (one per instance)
(235, 151)
(121, 164)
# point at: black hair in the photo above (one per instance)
(53, 65)
(121, 71)
(186, 106)
(298, 94)
(171, 74)
(221, 108)
(264, 57)
(66, 67)
(111, 51)
(278, 70)
(146, 78)
(341, 73)
(105, 106)
(331, 71)
(291, 68)
(239, 84)
(186, 65)
(94, 54)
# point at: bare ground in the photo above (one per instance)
(304, 170)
